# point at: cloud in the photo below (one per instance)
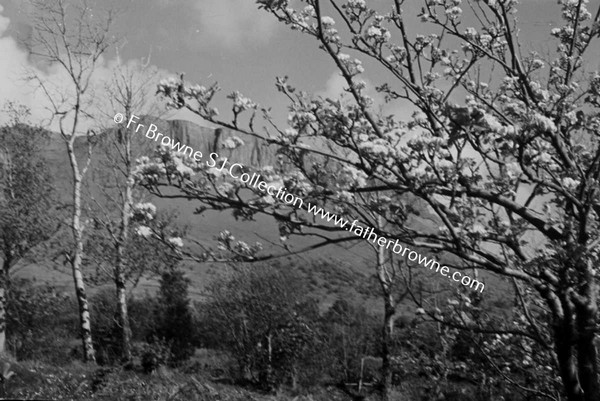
(12, 67)
(334, 88)
(16, 65)
(336, 84)
(233, 23)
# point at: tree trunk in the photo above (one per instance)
(588, 357)
(587, 352)
(76, 259)
(3, 303)
(564, 334)
(388, 327)
(386, 340)
(123, 316)
(82, 303)
(269, 372)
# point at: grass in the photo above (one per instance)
(77, 381)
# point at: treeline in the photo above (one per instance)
(268, 333)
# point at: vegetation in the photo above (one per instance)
(501, 147)
(496, 172)
(28, 216)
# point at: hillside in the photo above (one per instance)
(332, 271)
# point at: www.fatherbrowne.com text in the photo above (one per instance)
(255, 181)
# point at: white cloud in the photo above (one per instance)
(233, 23)
(15, 65)
(336, 84)
(12, 68)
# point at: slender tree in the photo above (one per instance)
(128, 92)
(72, 38)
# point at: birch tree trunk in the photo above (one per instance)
(76, 259)
(122, 313)
(123, 316)
(67, 35)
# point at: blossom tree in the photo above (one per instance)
(502, 146)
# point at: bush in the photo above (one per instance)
(40, 323)
(143, 317)
(143, 320)
(175, 324)
(350, 334)
(261, 316)
(105, 331)
(161, 321)
(155, 354)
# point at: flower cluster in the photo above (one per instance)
(143, 212)
(377, 32)
(232, 142)
(352, 66)
(241, 249)
(241, 103)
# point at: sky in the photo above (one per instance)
(229, 41)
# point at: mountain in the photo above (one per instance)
(206, 140)
(332, 270)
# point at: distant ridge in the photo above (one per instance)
(254, 152)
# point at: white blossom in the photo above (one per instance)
(178, 242)
(357, 4)
(543, 123)
(373, 31)
(143, 231)
(327, 21)
(144, 211)
(570, 184)
(453, 12)
(240, 102)
(233, 142)
(182, 169)
(470, 33)
(478, 229)
(513, 170)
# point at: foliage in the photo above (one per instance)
(104, 327)
(162, 325)
(84, 382)
(155, 354)
(175, 323)
(142, 316)
(40, 323)
(147, 251)
(27, 208)
(349, 334)
(261, 315)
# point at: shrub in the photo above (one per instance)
(105, 332)
(40, 322)
(262, 317)
(175, 323)
(350, 334)
(154, 354)
(143, 317)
